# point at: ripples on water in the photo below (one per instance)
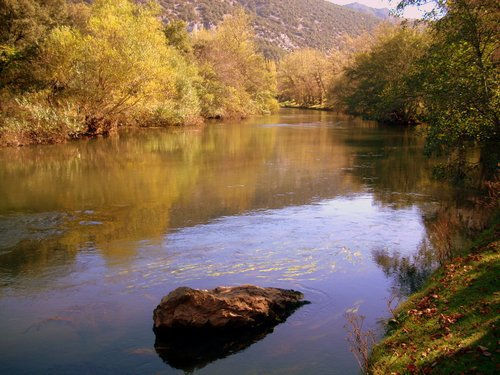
(94, 233)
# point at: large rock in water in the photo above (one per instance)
(221, 308)
(196, 327)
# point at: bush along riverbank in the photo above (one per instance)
(86, 69)
(451, 325)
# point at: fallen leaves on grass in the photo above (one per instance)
(447, 320)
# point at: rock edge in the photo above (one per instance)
(237, 307)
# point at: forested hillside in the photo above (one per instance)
(280, 25)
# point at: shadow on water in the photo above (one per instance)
(193, 350)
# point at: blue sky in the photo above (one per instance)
(412, 12)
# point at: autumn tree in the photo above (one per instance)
(304, 77)
(89, 68)
(237, 80)
(343, 56)
(119, 65)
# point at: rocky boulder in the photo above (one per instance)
(239, 307)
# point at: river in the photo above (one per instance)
(94, 232)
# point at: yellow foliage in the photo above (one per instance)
(119, 66)
(110, 63)
(304, 77)
(237, 81)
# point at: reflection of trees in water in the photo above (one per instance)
(409, 273)
(449, 229)
(394, 166)
(399, 175)
(450, 226)
(30, 258)
(189, 350)
(136, 186)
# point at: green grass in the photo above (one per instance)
(451, 326)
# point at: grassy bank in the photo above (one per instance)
(450, 327)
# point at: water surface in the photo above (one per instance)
(93, 233)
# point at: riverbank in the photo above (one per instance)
(317, 107)
(450, 327)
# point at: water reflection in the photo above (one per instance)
(297, 199)
(192, 351)
(409, 273)
(116, 192)
(113, 193)
(449, 228)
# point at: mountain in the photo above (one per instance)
(382, 13)
(280, 25)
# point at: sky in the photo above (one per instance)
(412, 12)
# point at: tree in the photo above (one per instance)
(459, 76)
(178, 37)
(237, 81)
(24, 24)
(341, 58)
(304, 76)
(379, 83)
(119, 65)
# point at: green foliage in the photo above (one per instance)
(8, 57)
(445, 77)
(379, 84)
(459, 77)
(24, 24)
(178, 37)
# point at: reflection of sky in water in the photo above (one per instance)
(322, 249)
(294, 243)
